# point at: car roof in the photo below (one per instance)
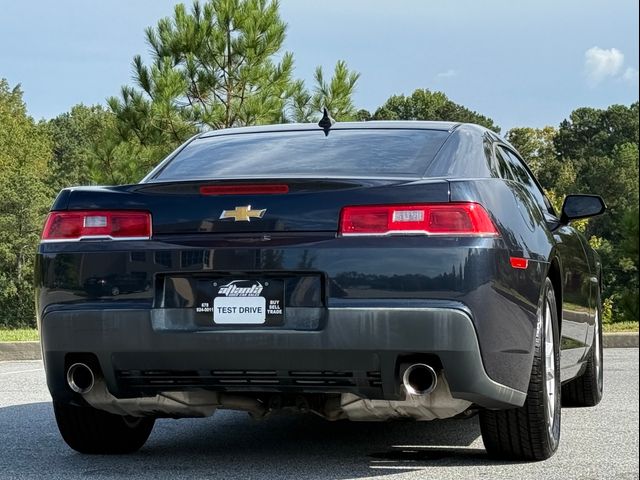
(292, 127)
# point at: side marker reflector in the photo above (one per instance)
(519, 263)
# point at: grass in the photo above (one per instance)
(621, 327)
(18, 335)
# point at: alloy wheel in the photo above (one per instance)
(550, 366)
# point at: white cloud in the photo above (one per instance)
(631, 75)
(600, 63)
(448, 74)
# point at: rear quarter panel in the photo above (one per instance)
(508, 325)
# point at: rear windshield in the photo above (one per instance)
(358, 152)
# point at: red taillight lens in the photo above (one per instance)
(434, 219)
(87, 224)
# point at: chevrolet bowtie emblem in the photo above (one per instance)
(243, 214)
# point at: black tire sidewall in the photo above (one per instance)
(91, 431)
(598, 374)
(553, 431)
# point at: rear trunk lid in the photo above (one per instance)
(309, 204)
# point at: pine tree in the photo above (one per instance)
(335, 95)
(218, 65)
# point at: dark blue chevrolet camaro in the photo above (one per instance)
(361, 271)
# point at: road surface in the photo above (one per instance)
(599, 442)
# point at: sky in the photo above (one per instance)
(520, 63)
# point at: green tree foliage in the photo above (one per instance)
(593, 132)
(212, 65)
(427, 105)
(629, 301)
(363, 115)
(215, 66)
(90, 148)
(596, 151)
(25, 151)
(602, 146)
(335, 95)
(74, 135)
(115, 161)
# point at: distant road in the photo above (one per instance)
(600, 442)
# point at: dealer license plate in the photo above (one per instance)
(248, 302)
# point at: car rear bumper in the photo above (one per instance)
(359, 350)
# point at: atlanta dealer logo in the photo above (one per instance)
(231, 289)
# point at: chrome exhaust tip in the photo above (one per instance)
(420, 379)
(80, 378)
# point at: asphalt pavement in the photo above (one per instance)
(600, 442)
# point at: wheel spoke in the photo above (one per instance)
(550, 364)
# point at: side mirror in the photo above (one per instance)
(581, 206)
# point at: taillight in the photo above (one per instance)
(433, 219)
(97, 224)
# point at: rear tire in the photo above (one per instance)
(92, 431)
(532, 432)
(586, 390)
